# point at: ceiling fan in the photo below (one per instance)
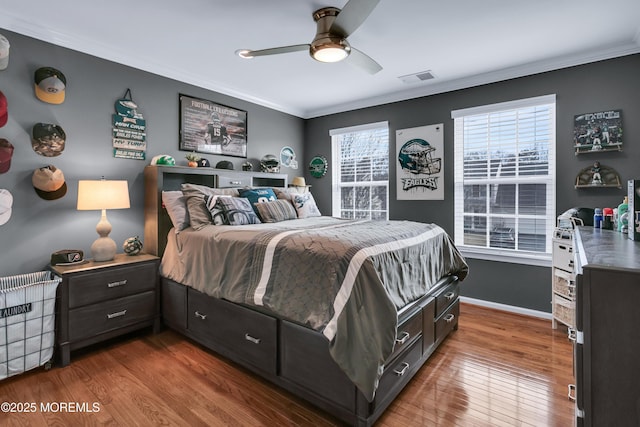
(330, 43)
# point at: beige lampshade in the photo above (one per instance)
(103, 194)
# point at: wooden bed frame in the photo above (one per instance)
(289, 355)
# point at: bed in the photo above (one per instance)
(340, 312)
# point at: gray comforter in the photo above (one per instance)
(346, 279)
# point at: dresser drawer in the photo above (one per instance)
(251, 336)
(398, 372)
(447, 321)
(407, 333)
(96, 319)
(231, 179)
(445, 297)
(93, 287)
(563, 255)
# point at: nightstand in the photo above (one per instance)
(100, 300)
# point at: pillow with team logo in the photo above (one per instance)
(305, 205)
(238, 210)
(217, 214)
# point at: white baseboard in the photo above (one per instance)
(509, 308)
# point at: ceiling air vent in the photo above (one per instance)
(417, 77)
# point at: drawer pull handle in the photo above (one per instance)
(403, 338)
(235, 182)
(449, 295)
(449, 317)
(251, 339)
(572, 392)
(200, 315)
(118, 283)
(402, 371)
(116, 314)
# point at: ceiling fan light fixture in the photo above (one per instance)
(244, 53)
(330, 50)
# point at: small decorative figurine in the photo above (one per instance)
(132, 246)
(596, 179)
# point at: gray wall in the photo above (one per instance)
(39, 227)
(600, 86)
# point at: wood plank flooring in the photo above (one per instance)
(497, 369)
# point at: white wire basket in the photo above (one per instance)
(27, 321)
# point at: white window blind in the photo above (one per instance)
(360, 155)
(504, 173)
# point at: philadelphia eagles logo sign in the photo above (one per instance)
(420, 163)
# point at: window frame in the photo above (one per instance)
(499, 254)
(337, 184)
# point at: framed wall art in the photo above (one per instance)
(420, 168)
(208, 127)
(597, 132)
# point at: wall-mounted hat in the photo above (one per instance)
(4, 52)
(49, 182)
(6, 152)
(4, 110)
(48, 140)
(6, 201)
(50, 85)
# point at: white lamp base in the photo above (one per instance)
(103, 249)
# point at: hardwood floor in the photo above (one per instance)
(497, 369)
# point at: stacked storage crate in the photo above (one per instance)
(563, 296)
(27, 321)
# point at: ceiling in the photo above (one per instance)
(463, 43)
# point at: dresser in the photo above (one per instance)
(100, 300)
(607, 336)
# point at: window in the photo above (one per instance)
(360, 155)
(504, 175)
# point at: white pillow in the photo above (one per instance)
(305, 205)
(176, 205)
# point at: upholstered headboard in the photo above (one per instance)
(167, 178)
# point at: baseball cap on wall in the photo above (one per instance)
(4, 110)
(6, 152)
(4, 52)
(6, 201)
(50, 85)
(47, 140)
(49, 182)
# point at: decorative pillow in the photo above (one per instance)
(199, 215)
(276, 211)
(258, 195)
(176, 205)
(238, 210)
(305, 205)
(286, 193)
(217, 215)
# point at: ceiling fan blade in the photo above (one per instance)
(352, 15)
(246, 53)
(364, 61)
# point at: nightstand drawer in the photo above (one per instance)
(98, 286)
(95, 319)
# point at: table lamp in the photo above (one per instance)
(103, 195)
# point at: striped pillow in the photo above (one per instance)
(276, 211)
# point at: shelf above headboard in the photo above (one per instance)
(169, 178)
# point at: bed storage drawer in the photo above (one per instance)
(398, 373)
(231, 179)
(445, 297)
(408, 331)
(89, 288)
(447, 321)
(305, 360)
(247, 335)
(92, 320)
